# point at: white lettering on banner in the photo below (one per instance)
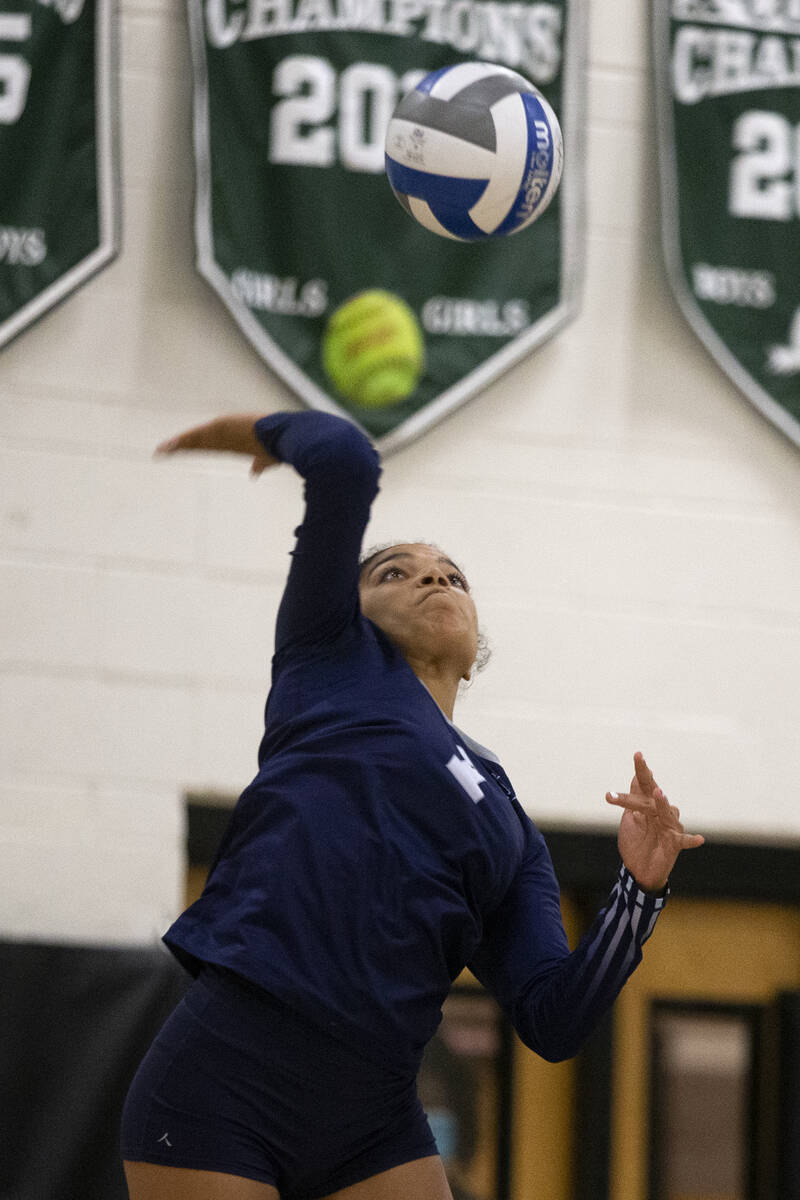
(732, 285)
(776, 16)
(358, 104)
(462, 317)
(523, 36)
(785, 360)
(285, 296)
(22, 247)
(723, 62)
(68, 10)
(765, 173)
(15, 71)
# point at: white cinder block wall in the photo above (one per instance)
(631, 527)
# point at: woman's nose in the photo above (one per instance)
(433, 577)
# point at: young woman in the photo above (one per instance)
(377, 852)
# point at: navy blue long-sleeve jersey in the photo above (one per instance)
(379, 850)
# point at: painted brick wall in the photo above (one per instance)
(630, 525)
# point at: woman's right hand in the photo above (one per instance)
(234, 434)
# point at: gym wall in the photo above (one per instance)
(630, 524)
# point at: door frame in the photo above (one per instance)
(586, 862)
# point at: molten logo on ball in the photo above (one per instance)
(489, 161)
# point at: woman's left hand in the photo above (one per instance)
(650, 833)
(234, 433)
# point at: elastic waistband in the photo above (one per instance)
(295, 1026)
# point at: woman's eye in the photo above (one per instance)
(458, 580)
(391, 571)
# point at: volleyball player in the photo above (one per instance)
(378, 851)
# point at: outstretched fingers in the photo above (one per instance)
(656, 807)
(643, 775)
(198, 438)
(633, 802)
(665, 811)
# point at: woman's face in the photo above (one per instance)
(421, 600)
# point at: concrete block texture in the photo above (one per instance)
(631, 528)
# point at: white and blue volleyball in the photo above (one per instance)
(474, 151)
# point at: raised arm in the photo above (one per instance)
(341, 471)
(555, 998)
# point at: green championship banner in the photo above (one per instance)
(297, 228)
(728, 93)
(58, 182)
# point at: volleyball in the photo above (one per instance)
(474, 151)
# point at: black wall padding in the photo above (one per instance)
(74, 1024)
(789, 1097)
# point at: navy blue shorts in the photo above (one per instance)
(237, 1082)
